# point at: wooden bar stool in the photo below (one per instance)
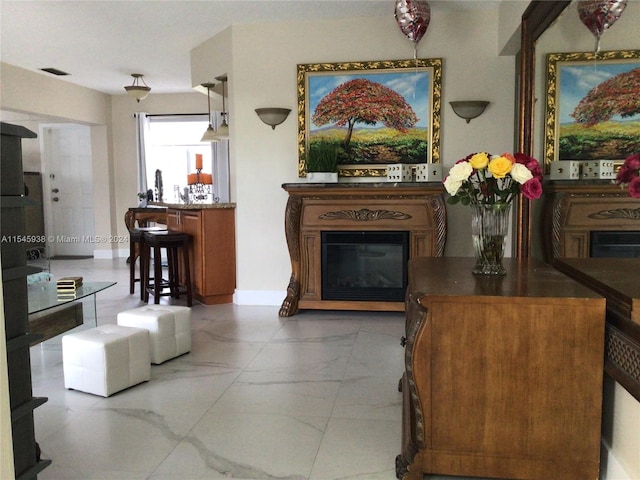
(136, 240)
(174, 243)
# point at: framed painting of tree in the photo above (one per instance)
(375, 113)
(593, 107)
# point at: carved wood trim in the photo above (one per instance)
(617, 213)
(623, 360)
(365, 215)
(292, 219)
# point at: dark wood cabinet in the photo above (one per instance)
(26, 454)
(503, 375)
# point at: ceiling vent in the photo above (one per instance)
(54, 71)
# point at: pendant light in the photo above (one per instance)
(210, 133)
(137, 91)
(223, 130)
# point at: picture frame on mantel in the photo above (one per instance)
(336, 103)
(592, 109)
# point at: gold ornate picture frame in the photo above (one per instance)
(378, 113)
(592, 111)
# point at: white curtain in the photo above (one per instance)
(142, 128)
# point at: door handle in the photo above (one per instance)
(55, 190)
(55, 199)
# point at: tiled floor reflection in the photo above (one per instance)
(313, 396)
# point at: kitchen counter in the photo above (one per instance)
(192, 206)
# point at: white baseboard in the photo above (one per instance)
(109, 254)
(272, 298)
(610, 468)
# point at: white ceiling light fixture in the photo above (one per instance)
(137, 91)
(222, 133)
(209, 134)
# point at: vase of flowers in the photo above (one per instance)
(489, 183)
(629, 175)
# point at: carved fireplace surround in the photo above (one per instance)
(418, 208)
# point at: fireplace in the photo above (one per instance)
(364, 266)
(615, 244)
(412, 215)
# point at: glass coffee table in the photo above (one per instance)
(52, 313)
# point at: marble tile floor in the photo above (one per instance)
(313, 396)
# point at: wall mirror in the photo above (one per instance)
(554, 27)
(536, 19)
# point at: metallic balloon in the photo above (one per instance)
(413, 17)
(599, 15)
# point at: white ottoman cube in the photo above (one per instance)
(106, 359)
(169, 329)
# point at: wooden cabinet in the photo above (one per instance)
(503, 375)
(213, 250)
(417, 208)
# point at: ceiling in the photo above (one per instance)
(101, 43)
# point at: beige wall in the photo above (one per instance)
(263, 73)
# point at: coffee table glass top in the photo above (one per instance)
(43, 297)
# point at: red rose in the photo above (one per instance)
(532, 189)
(634, 187)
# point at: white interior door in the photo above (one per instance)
(68, 176)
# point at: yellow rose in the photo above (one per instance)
(500, 166)
(479, 161)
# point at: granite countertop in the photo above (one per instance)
(192, 206)
(355, 185)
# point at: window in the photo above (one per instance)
(171, 143)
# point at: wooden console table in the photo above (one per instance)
(315, 207)
(503, 375)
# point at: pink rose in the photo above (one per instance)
(532, 189)
(625, 174)
(634, 187)
(633, 162)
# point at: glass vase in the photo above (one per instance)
(489, 228)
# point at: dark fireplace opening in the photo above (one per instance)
(364, 266)
(615, 244)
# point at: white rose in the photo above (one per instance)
(520, 173)
(452, 185)
(461, 171)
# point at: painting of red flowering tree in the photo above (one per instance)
(593, 105)
(375, 113)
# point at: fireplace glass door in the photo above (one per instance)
(364, 266)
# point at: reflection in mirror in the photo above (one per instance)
(535, 20)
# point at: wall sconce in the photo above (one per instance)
(137, 91)
(469, 109)
(209, 134)
(273, 116)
